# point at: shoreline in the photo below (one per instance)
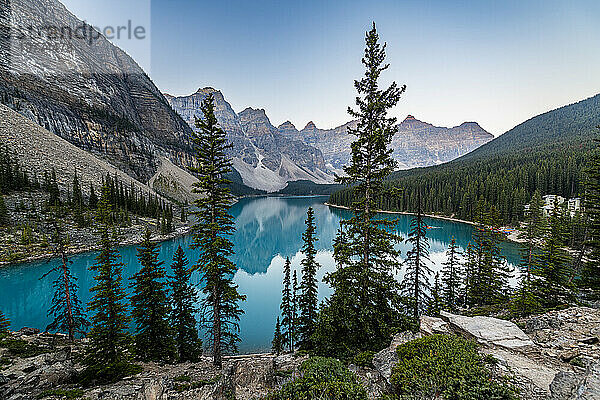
(511, 237)
(409, 213)
(179, 232)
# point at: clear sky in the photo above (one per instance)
(494, 62)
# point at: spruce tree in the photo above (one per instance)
(416, 283)
(93, 200)
(308, 301)
(150, 307)
(452, 277)
(469, 295)
(287, 308)
(4, 323)
(277, 343)
(591, 270)
(108, 356)
(212, 232)
(66, 307)
(524, 300)
(183, 309)
(76, 196)
(490, 273)
(295, 316)
(365, 307)
(4, 217)
(534, 228)
(435, 302)
(551, 284)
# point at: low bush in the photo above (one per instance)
(447, 367)
(322, 379)
(364, 359)
(20, 348)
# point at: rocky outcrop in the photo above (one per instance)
(417, 143)
(265, 159)
(89, 92)
(523, 357)
(488, 331)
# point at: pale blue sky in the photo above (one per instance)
(494, 62)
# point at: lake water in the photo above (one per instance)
(268, 231)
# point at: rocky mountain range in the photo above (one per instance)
(268, 157)
(417, 143)
(264, 158)
(95, 96)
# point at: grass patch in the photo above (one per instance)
(64, 393)
(182, 387)
(20, 348)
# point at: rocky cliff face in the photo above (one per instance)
(265, 158)
(88, 92)
(417, 144)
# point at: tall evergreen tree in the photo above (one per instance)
(286, 307)
(76, 195)
(150, 307)
(552, 285)
(211, 234)
(591, 271)
(295, 316)
(308, 301)
(108, 356)
(365, 306)
(4, 323)
(416, 283)
(435, 302)
(183, 309)
(534, 228)
(452, 277)
(469, 266)
(277, 343)
(93, 200)
(4, 217)
(66, 307)
(489, 276)
(524, 300)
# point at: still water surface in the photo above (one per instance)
(267, 231)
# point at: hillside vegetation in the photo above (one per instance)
(545, 153)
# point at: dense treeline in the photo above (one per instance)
(546, 153)
(508, 182)
(12, 176)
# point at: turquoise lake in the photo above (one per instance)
(268, 229)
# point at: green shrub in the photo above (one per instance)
(182, 378)
(364, 359)
(22, 349)
(322, 379)
(108, 373)
(448, 367)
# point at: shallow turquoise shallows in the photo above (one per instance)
(268, 231)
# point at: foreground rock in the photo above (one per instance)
(43, 362)
(555, 357)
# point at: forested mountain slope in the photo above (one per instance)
(546, 152)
